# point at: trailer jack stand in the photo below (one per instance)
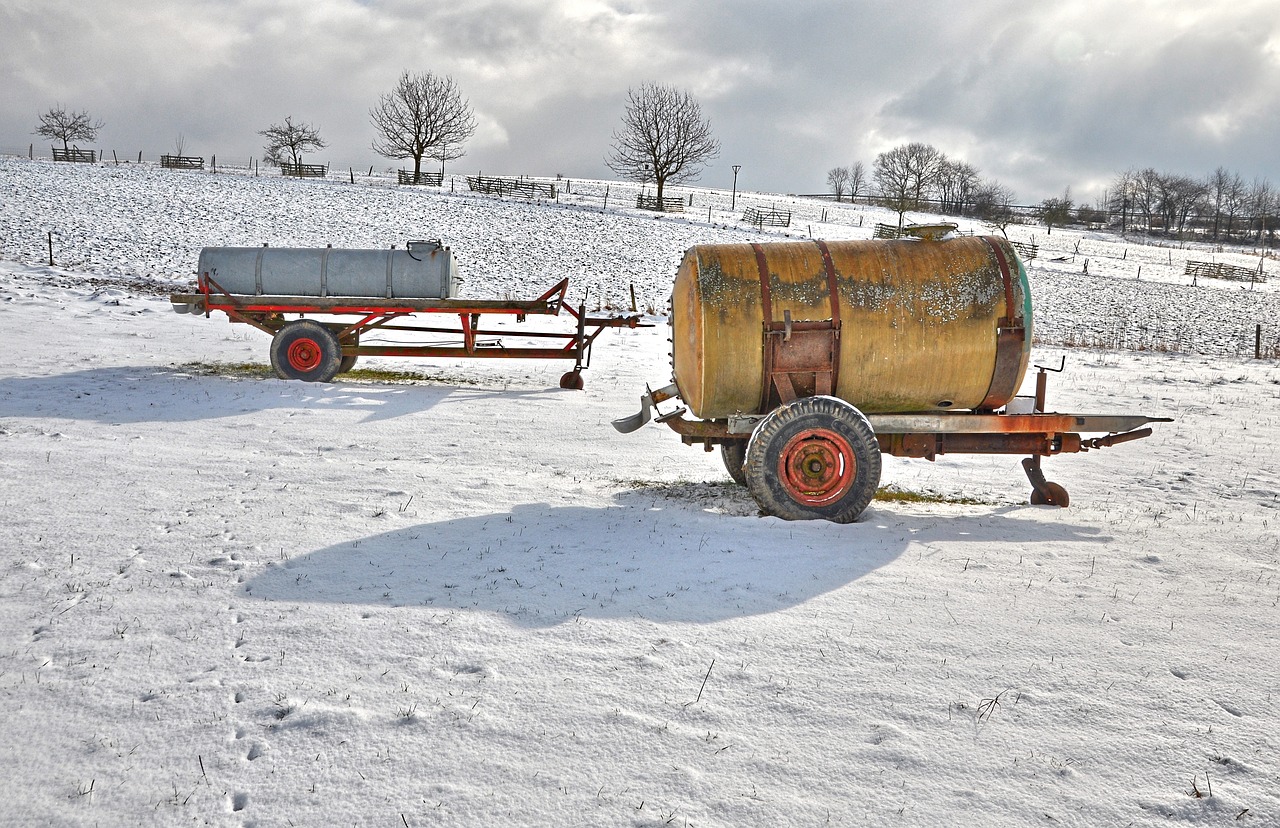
(1043, 492)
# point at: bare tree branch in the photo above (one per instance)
(664, 137)
(60, 125)
(424, 116)
(837, 180)
(288, 141)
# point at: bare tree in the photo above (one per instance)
(288, 141)
(1234, 201)
(1261, 199)
(1121, 197)
(179, 144)
(425, 115)
(837, 180)
(892, 177)
(923, 164)
(664, 137)
(956, 183)
(905, 175)
(993, 203)
(1145, 189)
(1180, 198)
(1055, 212)
(857, 179)
(60, 125)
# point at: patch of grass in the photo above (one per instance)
(897, 494)
(251, 370)
(382, 375)
(696, 491)
(240, 370)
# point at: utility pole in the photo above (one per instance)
(734, 200)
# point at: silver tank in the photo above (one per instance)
(424, 270)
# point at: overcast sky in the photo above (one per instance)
(1039, 95)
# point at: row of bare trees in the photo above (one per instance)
(1221, 204)
(664, 136)
(424, 116)
(918, 176)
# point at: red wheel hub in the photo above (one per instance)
(304, 354)
(817, 467)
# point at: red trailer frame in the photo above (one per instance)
(305, 349)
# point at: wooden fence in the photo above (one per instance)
(75, 155)
(1026, 251)
(182, 162)
(1218, 270)
(661, 205)
(304, 170)
(773, 218)
(510, 186)
(429, 179)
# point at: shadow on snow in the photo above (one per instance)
(652, 556)
(148, 394)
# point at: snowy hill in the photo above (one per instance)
(462, 599)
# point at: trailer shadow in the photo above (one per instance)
(147, 394)
(656, 558)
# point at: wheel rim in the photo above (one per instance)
(817, 467)
(304, 355)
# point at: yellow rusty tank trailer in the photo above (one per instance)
(804, 361)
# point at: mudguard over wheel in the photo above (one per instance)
(734, 455)
(813, 458)
(306, 350)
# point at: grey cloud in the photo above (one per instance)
(1040, 97)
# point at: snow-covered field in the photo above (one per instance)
(465, 600)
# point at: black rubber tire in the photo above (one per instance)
(347, 363)
(306, 350)
(1057, 496)
(734, 455)
(814, 458)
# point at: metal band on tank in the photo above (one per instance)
(1010, 337)
(831, 281)
(766, 300)
(766, 309)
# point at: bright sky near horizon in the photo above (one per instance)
(1038, 95)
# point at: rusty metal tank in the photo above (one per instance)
(904, 325)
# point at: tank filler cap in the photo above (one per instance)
(930, 232)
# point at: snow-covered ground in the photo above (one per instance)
(465, 600)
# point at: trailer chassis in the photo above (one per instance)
(1036, 433)
(305, 349)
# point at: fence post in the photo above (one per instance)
(51, 252)
(1257, 342)
(31, 152)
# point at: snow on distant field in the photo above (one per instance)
(139, 221)
(465, 600)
